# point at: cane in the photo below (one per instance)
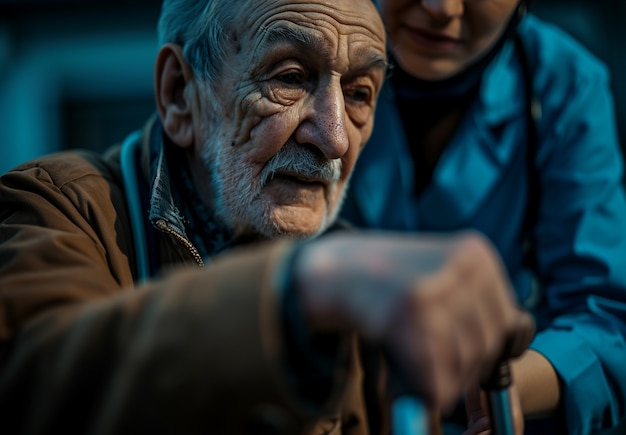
(499, 400)
(409, 415)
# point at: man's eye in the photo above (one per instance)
(359, 95)
(291, 78)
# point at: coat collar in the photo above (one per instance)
(163, 205)
(500, 89)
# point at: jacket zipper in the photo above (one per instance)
(162, 225)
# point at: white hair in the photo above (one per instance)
(203, 28)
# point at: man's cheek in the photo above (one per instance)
(271, 134)
(254, 113)
(349, 159)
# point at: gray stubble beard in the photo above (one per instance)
(234, 206)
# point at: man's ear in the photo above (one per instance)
(172, 76)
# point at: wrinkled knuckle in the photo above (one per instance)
(417, 298)
(522, 334)
(474, 238)
(478, 247)
(492, 343)
(480, 348)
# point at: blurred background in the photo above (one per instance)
(78, 73)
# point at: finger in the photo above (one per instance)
(522, 334)
(480, 427)
(516, 409)
(473, 407)
(428, 346)
(479, 318)
(434, 422)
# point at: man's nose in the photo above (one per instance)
(443, 9)
(324, 122)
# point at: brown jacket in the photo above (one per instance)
(85, 350)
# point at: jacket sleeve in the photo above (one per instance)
(581, 245)
(198, 350)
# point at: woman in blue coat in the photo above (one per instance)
(494, 121)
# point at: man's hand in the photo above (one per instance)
(477, 409)
(440, 305)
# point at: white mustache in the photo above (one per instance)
(301, 161)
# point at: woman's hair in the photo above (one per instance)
(202, 28)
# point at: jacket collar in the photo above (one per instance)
(173, 199)
(162, 201)
(499, 95)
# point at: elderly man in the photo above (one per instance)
(144, 290)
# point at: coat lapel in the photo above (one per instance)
(383, 179)
(468, 171)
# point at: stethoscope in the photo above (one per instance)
(129, 164)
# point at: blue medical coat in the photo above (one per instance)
(481, 182)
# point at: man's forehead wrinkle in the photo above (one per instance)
(359, 26)
(315, 13)
(310, 37)
(284, 33)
